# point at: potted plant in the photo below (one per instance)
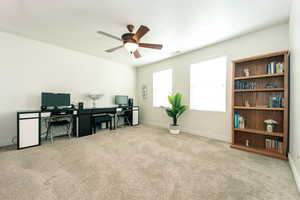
(175, 111)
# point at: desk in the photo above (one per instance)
(85, 119)
(29, 128)
(29, 122)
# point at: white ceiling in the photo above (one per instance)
(180, 25)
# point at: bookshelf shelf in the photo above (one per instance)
(260, 151)
(259, 76)
(258, 108)
(261, 90)
(254, 137)
(259, 132)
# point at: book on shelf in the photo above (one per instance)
(239, 121)
(273, 144)
(275, 101)
(245, 84)
(274, 68)
(236, 120)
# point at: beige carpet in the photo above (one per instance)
(142, 163)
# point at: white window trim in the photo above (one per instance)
(226, 88)
(164, 69)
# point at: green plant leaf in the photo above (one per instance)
(171, 99)
(170, 112)
(177, 99)
(182, 109)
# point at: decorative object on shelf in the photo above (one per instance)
(242, 122)
(94, 98)
(247, 72)
(271, 124)
(144, 91)
(247, 103)
(247, 143)
(175, 111)
(270, 85)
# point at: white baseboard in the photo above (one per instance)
(295, 172)
(5, 143)
(222, 138)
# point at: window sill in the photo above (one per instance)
(193, 109)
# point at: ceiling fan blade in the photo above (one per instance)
(141, 32)
(113, 49)
(137, 54)
(152, 46)
(109, 35)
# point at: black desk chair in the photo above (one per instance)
(102, 118)
(59, 121)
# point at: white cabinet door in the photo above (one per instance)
(28, 132)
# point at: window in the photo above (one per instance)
(207, 86)
(162, 87)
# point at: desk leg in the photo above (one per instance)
(114, 121)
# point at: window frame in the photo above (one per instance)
(164, 69)
(225, 85)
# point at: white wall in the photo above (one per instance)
(295, 90)
(211, 124)
(29, 67)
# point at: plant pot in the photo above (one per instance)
(174, 129)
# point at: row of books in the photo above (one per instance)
(239, 121)
(274, 144)
(274, 68)
(276, 102)
(245, 84)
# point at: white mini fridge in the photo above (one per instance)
(135, 116)
(28, 129)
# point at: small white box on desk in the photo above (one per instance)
(45, 114)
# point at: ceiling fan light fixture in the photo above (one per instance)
(131, 46)
(131, 41)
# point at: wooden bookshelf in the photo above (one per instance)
(254, 137)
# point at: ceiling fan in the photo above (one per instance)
(131, 41)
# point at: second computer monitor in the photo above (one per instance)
(121, 100)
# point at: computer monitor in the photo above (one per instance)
(55, 100)
(121, 100)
